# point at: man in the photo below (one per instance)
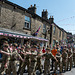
(74, 57)
(13, 58)
(23, 56)
(48, 55)
(57, 47)
(32, 69)
(64, 59)
(39, 65)
(59, 63)
(69, 59)
(5, 58)
(54, 52)
(27, 60)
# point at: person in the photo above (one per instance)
(33, 58)
(74, 57)
(59, 63)
(48, 55)
(70, 54)
(39, 55)
(13, 58)
(64, 60)
(54, 52)
(43, 51)
(27, 60)
(57, 47)
(20, 61)
(5, 58)
(10, 47)
(65, 46)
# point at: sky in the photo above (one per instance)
(63, 11)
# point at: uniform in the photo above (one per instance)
(32, 68)
(24, 64)
(74, 57)
(5, 59)
(64, 60)
(12, 64)
(59, 63)
(39, 65)
(47, 56)
(21, 62)
(69, 60)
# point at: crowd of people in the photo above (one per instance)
(30, 56)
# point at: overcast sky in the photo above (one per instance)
(63, 11)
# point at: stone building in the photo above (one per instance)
(20, 23)
(58, 35)
(16, 22)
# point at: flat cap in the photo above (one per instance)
(48, 48)
(34, 46)
(39, 47)
(22, 46)
(6, 45)
(15, 44)
(28, 46)
(5, 41)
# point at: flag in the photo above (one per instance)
(36, 33)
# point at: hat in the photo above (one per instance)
(6, 45)
(39, 47)
(64, 49)
(22, 46)
(48, 48)
(65, 45)
(57, 44)
(58, 50)
(15, 44)
(34, 46)
(28, 46)
(5, 41)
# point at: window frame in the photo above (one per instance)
(44, 28)
(26, 21)
(54, 29)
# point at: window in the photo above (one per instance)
(27, 22)
(44, 28)
(0, 10)
(54, 30)
(54, 42)
(0, 13)
(59, 33)
(63, 35)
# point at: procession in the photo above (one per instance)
(34, 44)
(31, 56)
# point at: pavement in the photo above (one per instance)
(72, 72)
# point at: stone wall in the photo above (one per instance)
(12, 18)
(57, 33)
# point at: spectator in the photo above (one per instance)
(43, 51)
(54, 52)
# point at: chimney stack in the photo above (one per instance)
(32, 8)
(51, 19)
(45, 14)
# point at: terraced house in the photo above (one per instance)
(20, 25)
